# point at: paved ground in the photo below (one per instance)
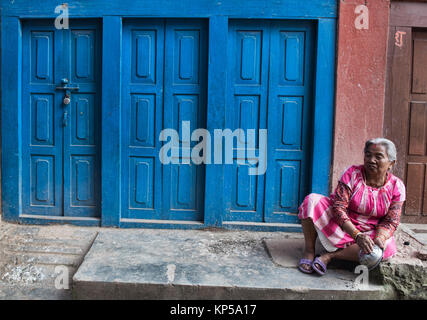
(32, 257)
(420, 230)
(158, 264)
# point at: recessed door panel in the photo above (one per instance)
(42, 56)
(143, 120)
(42, 181)
(292, 54)
(42, 119)
(83, 51)
(83, 180)
(144, 55)
(248, 46)
(82, 119)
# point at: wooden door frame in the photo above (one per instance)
(404, 16)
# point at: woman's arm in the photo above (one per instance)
(388, 224)
(340, 207)
(341, 202)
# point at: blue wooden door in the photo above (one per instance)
(164, 87)
(60, 163)
(270, 87)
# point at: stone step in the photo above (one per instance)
(30, 248)
(43, 258)
(79, 243)
(193, 264)
(14, 292)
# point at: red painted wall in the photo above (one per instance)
(360, 81)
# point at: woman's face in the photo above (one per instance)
(376, 160)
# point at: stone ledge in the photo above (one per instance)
(406, 272)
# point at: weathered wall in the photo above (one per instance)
(360, 81)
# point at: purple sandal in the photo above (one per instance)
(321, 264)
(305, 261)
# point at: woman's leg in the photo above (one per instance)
(310, 235)
(351, 253)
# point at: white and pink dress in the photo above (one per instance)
(368, 208)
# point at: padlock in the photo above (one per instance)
(66, 100)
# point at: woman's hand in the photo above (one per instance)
(365, 243)
(380, 242)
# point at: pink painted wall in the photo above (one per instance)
(360, 82)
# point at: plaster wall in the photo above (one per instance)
(360, 81)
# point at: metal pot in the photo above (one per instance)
(373, 259)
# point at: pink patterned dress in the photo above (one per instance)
(368, 208)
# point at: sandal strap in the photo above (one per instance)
(305, 261)
(320, 263)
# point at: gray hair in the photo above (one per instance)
(388, 145)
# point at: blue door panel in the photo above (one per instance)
(42, 120)
(83, 60)
(248, 56)
(142, 184)
(291, 66)
(248, 46)
(142, 118)
(185, 111)
(41, 137)
(185, 49)
(42, 53)
(81, 134)
(82, 119)
(245, 192)
(42, 182)
(154, 100)
(144, 55)
(289, 119)
(269, 88)
(82, 181)
(60, 143)
(288, 184)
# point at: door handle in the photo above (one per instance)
(64, 119)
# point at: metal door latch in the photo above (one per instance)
(64, 119)
(66, 86)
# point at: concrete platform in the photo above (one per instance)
(190, 264)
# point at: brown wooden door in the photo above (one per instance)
(406, 112)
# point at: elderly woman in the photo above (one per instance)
(364, 211)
